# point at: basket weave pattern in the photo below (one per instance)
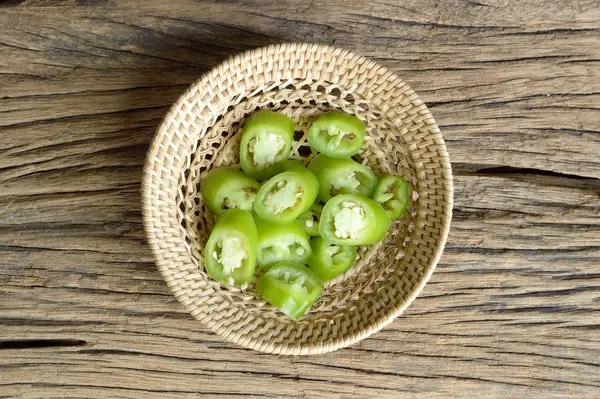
(201, 131)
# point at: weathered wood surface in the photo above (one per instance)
(513, 309)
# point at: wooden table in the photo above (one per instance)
(513, 309)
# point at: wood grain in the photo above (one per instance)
(513, 309)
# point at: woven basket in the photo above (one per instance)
(201, 131)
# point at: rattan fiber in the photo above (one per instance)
(201, 131)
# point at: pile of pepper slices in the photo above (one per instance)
(335, 201)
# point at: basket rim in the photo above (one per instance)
(388, 315)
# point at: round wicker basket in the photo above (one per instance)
(201, 131)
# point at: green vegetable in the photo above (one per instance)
(225, 188)
(290, 164)
(266, 140)
(337, 134)
(394, 194)
(291, 288)
(329, 260)
(310, 219)
(342, 176)
(285, 196)
(350, 219)
(230, 252)
(281, 242)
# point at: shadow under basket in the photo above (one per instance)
(201, 131)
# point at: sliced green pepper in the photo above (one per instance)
(285, 196)
(291, 288)
(394, 194)
(337, 134)
(310, 219)
(290, 164)
(225, 188)
(266, 140)
(342, 176)
(281, 242)
(350, 219)
(230, 252)
(329, 260)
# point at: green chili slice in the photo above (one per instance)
(285, 196)
(342, 176)
(350, 219)
(225, 188)
(266, 140)
(230, 252)
(290, 287)
(329, 259)
(394, 194)
(281, 242)
(337, 134)
(310, 219)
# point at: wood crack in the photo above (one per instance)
(40, 343)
